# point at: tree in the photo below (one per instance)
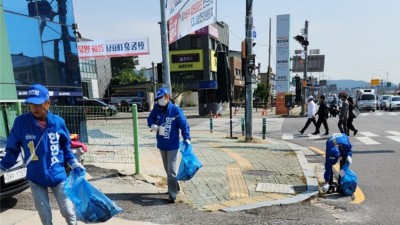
(128, 76)
(262, 93)
(120, 64)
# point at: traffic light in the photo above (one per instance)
(160, 73)
(388, 84)
(302, 40)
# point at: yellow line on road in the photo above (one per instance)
(358, 196)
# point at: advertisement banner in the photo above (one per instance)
(186, 60)
(195, 14)
(172, 7)
(282, 53)
(118, 48)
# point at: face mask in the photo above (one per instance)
(162, 101)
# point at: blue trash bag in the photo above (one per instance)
(348, 183)
(190, 164)
(91, 205)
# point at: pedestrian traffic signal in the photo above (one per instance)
(302, 40)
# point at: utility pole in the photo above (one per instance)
(269, 56)
(250, 63)
(304, 42)
(164, 46)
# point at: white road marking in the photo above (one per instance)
(367, 141)
(368, 134)
(287, 136)
(311, 136)
(394, 138)
(397, 133)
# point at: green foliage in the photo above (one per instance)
(128, 76)
(120, 64)
(262, 93)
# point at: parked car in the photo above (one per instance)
(141, 102)
(393, 102)
(381, 103)
(13, 181)
(96, 107)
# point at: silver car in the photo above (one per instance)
(381, 104)
(393, 102)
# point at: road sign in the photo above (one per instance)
(315, 63)
(375, 82)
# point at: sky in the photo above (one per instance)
(359, 38)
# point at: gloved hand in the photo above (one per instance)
(75, 164)
(154, 127)
(325, 188)
(2, 172)
(342, 173)
(187, 141)
(349, 159)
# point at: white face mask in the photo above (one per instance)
(162, 101)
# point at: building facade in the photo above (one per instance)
(193, 63)
(43, 48)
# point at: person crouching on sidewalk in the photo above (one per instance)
(338, 148)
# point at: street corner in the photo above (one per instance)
(356, 198)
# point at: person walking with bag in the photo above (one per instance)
(311, 109)
(45, 140)
(322, 116)
(343, 115)
(167, 119)
(351, 117)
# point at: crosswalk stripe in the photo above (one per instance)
(368, 134)
(367, 141)
(396, 133)
(287, 136)
(311, 136)
(394, 138)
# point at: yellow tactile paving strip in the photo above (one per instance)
(237, 185)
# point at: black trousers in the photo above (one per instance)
(308, 123)
(342, 124)
(350, 125)
(320, 121)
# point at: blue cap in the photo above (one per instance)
(37, 94)
(161, 92)
(333, 153)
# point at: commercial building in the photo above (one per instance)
(40, 38)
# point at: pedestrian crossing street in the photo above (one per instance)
(367, 138)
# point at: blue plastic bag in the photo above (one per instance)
(189, 165)
(348, 183)
(91, 205)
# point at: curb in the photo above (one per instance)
(311, 179)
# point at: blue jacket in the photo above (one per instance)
(170, 116)
(345, 150)
(50, 146)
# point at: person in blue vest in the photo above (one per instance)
(45, 140)
(338, 148)
(167, 120)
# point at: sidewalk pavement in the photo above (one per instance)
(235, 176)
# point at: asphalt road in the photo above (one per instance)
(376, 158)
